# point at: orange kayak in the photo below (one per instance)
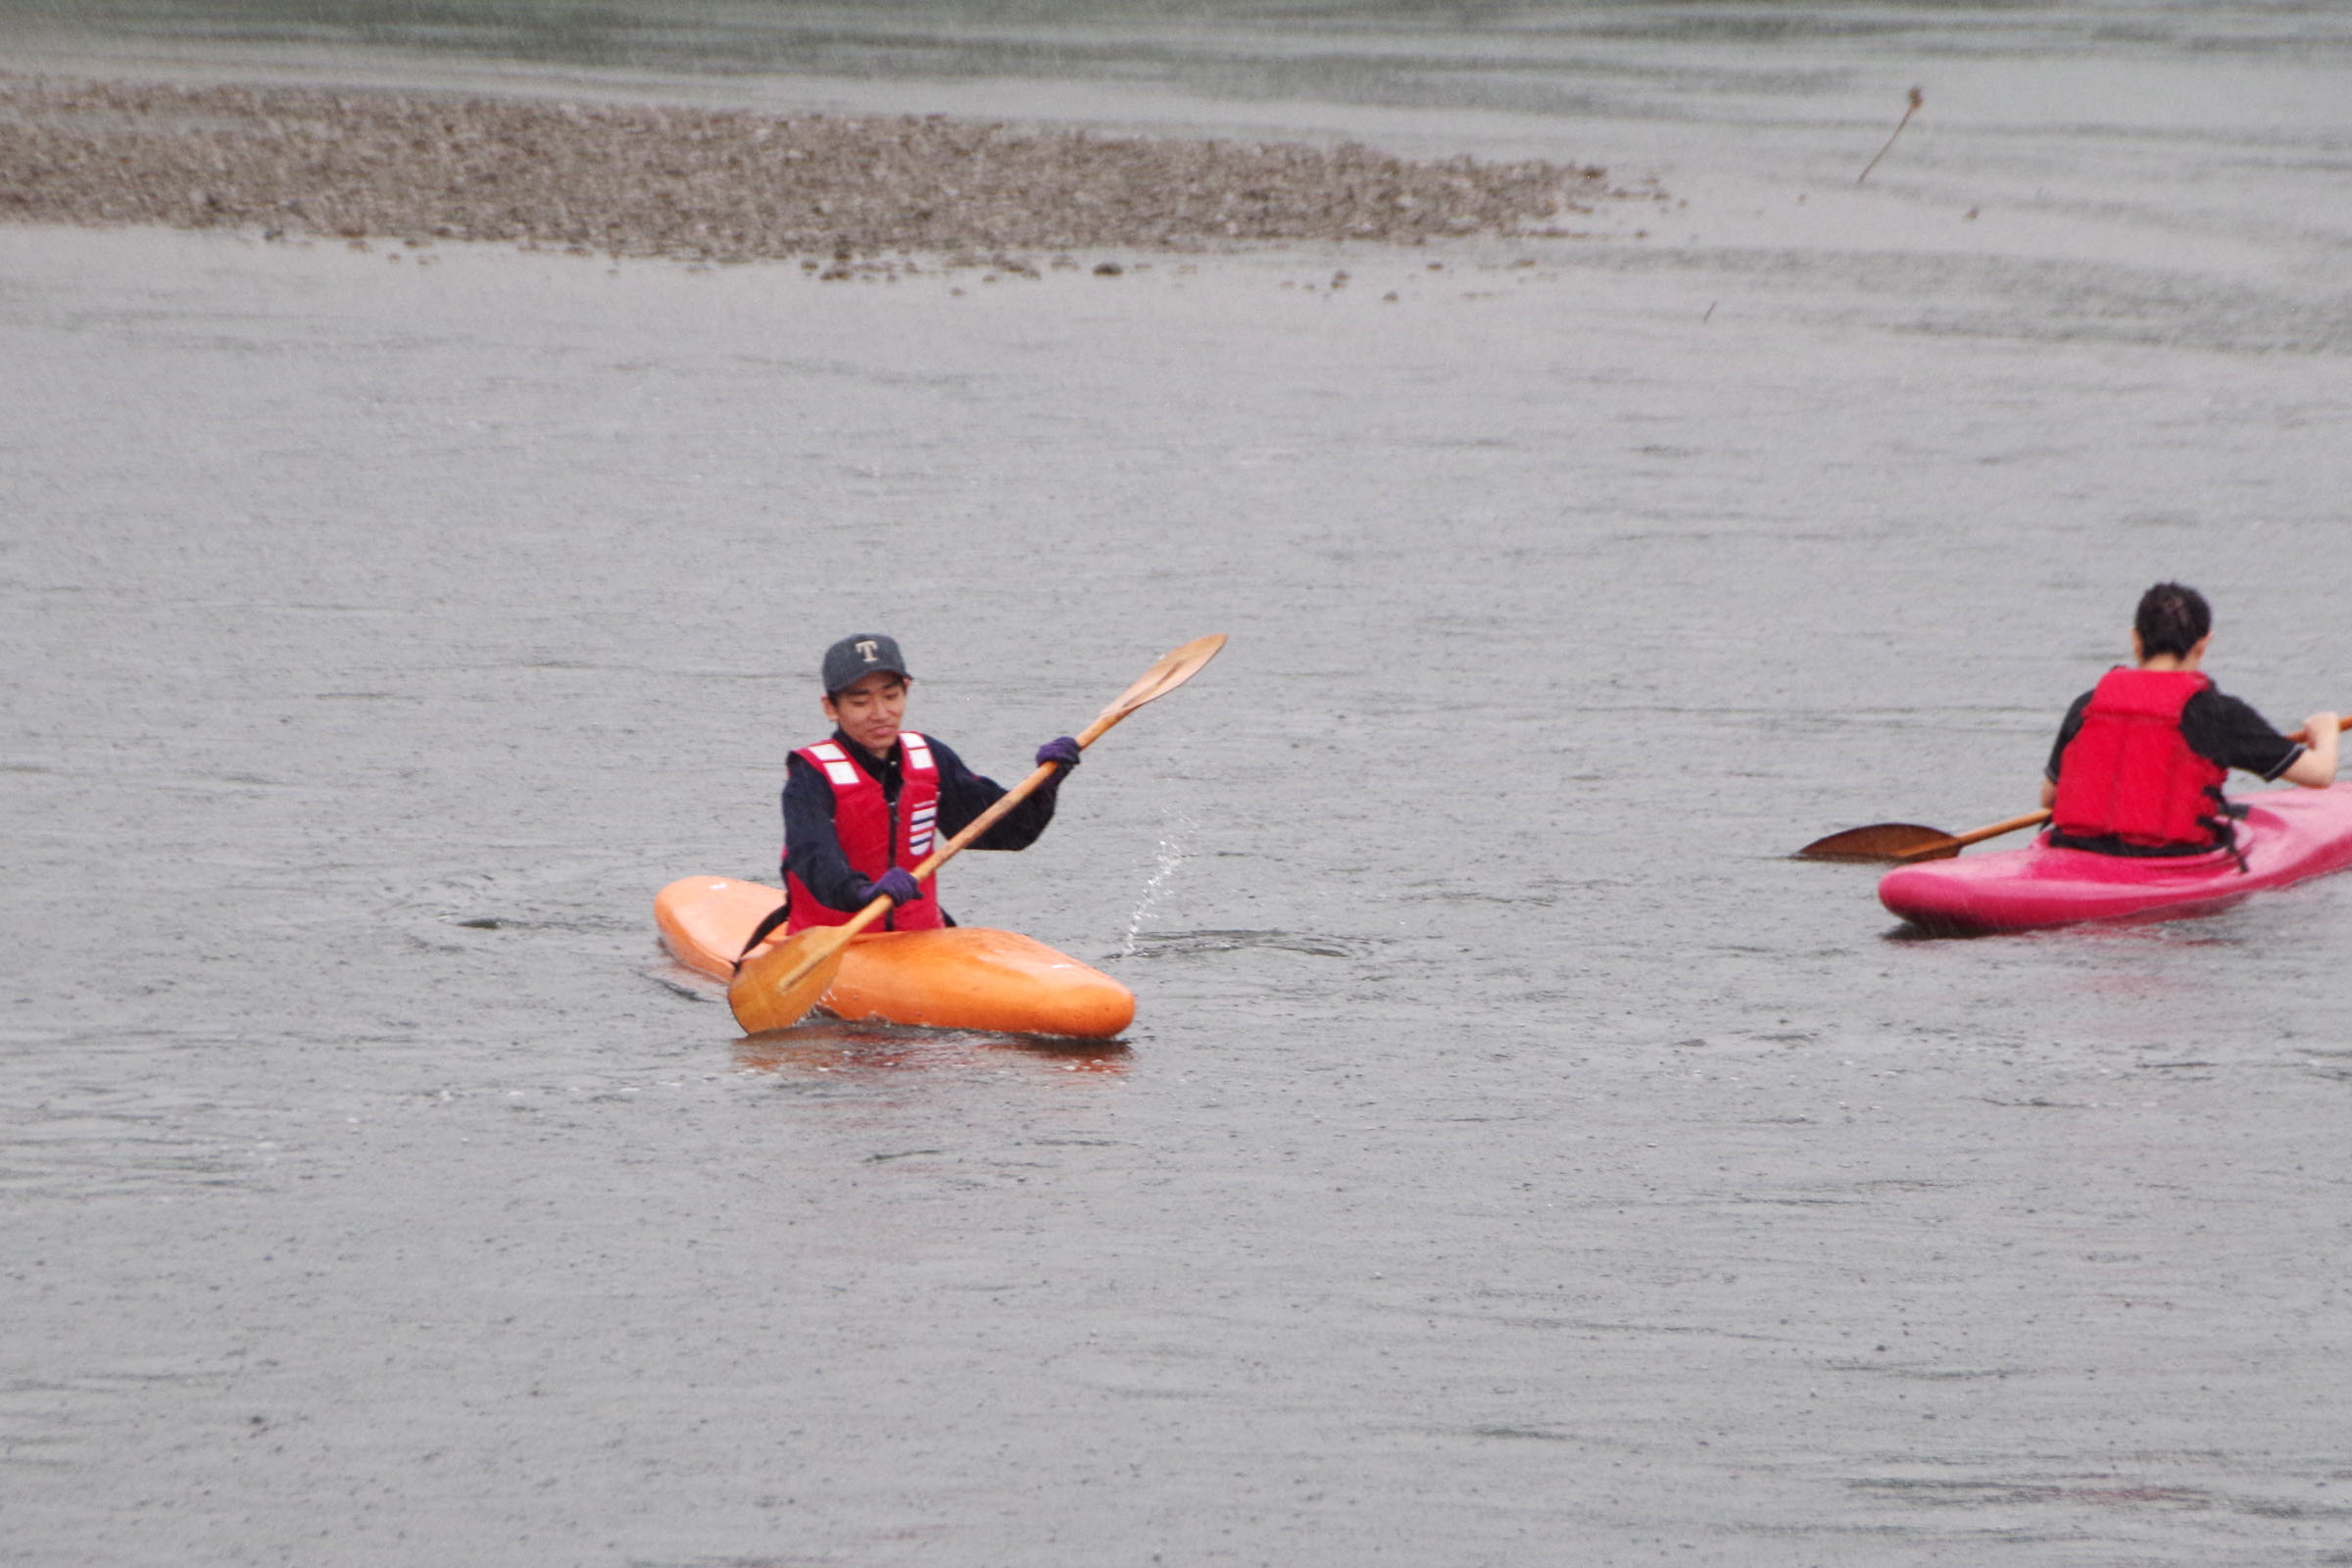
(964, 977)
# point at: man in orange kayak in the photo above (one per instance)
(865, 805)
(2139, 762)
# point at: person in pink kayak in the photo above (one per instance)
(868, 803)
(2138, 765)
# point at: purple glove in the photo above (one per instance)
(1062, 750)
(898, 882)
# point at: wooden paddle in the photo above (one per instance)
(777, 987)
(1905, 842)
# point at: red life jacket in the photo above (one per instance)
(2128, 772)
(874, 835)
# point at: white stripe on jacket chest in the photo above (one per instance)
(835, 761)
(921, 818)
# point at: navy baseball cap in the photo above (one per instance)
(854, 657)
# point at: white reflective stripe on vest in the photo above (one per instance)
(919, 820)
(835, 761)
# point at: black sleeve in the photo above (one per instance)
(2066, 735)
(963, 794)
(2221, 729)
(810, 848)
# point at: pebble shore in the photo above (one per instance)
(717, 186)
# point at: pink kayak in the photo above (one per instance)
(2286, 836)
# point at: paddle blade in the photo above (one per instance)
(780, 985)
(1882, 841)
(1175, 667)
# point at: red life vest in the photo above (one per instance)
(2128, 772)
(874, 835)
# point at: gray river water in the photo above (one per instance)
(1515, 1157)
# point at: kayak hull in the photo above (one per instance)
(2286, 836)
(963, 977)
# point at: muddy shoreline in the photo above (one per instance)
(717, 186)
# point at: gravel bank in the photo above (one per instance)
(711, 185)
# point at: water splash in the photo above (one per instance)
(1170, 855)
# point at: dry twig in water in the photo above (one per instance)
(1916, 101)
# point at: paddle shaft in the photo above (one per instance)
(1979, 835)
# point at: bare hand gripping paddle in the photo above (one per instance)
(776, 988)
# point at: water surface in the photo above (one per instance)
(1515, 1157)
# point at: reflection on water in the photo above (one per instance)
(1194, 944)
(867, 1050)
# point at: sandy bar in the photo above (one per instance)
(717, 186)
